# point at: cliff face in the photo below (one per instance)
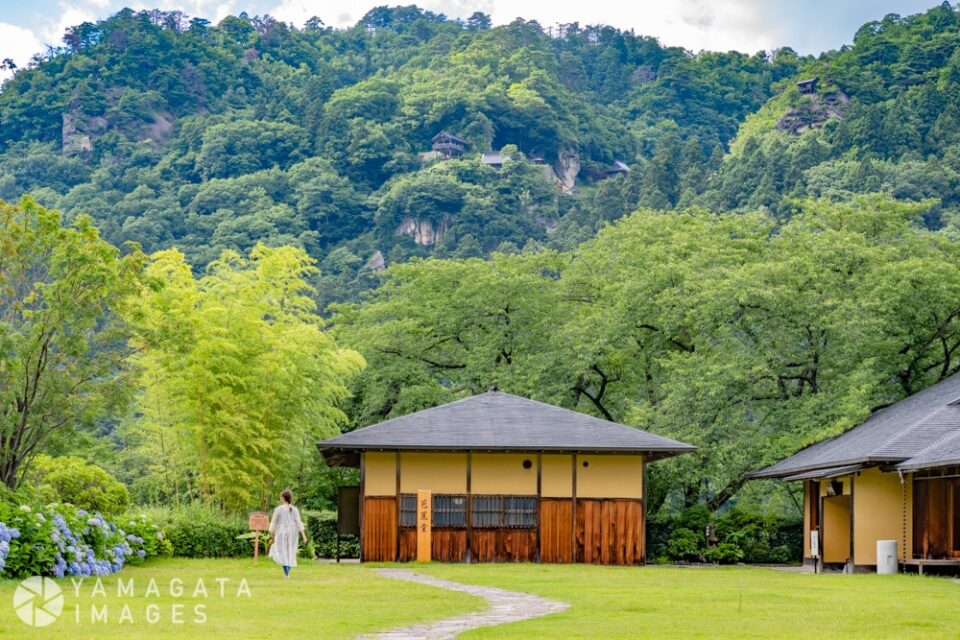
(814, 112)
(80, 132)
(567, 169)
(424, 231)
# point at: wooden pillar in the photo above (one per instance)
(819, 498)
(469, 506)
(539, 510)
(396, 555)
(363, 498)
(573, 509)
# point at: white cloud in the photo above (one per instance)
(213, 10)
(744, 25)
(18, 44)
(68, 15)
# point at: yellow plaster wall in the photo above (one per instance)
(877, 513)
(379, 473)
(436, 472)
(503, 473)
(556, 476)
(610, 476)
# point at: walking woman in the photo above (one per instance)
(285, 527)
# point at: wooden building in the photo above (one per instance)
(448, 145)
(808, 86)
(493, 159)
(894, 477)
(511, 479)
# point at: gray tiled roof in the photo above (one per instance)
(497, 421)
(493, 157)
(899, 433)
(942, 454)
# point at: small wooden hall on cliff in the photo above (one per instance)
(509, 479)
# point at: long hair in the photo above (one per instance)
(288, 498)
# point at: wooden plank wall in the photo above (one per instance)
(556, 530)
(610, 531)
(446, 545)
(380, 529)
(930, 526)
(607, 532)
(504, 545)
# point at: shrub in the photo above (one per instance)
(322, 529)
(724, 553)
(60, 540)
(74, 481)
(684, 544)
(202, 532)
(743, 535)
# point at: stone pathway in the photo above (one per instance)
(505, 606)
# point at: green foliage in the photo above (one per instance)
(201, 532)
(61, 540)
(724, 553)
(684, 544)
(322, 531)
(898, 134)
(746, 338)
(62, 357)
(177, 133)
(85, 486)
(742, 535)
(239, 378)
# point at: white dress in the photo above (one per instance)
(285, 527)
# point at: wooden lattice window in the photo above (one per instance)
(519, 512)
(511, 512)
(408, 510)
(449, 511)
(487, 511)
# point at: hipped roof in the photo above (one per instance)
(447, 134)
(497, 421)
(920, 431)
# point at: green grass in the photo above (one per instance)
(330, 601)
(736, 602)
(318, 601)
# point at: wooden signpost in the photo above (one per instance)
(424, 509)
(259, 521)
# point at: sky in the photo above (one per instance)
(808, 26)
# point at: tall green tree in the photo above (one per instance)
(63, 353)
(240, 379)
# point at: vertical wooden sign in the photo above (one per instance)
(424, 509)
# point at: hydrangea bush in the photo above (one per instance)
(60, 540)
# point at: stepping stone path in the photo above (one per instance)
(505, 606)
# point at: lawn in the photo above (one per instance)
(319, 601)
(330, 601)
(668, 602)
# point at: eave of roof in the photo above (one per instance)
(833, 472)
(789, 473)
(501, 422)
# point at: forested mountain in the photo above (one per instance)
(177, 132)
